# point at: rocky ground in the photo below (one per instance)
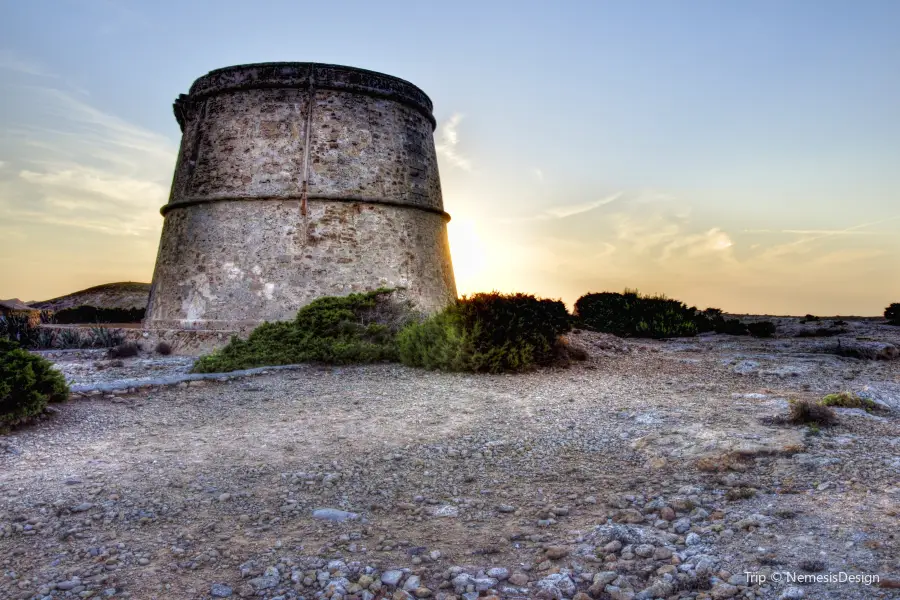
(648, 471)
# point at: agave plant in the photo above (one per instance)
(45, 339)
(72, 338)
(105, 337)
(19, 328)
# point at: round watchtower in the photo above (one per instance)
(296, 181)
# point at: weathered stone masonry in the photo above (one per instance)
(295, 181)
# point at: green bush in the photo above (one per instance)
(27, 383)
(489, 332)
(94, 314)
(709, 320)
(345, 329)
(892, 313)
(632, 315)
(761, 329)
(733, 327)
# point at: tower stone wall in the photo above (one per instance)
(296, 181)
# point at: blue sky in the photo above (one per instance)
(733, 154)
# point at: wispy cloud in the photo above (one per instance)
(448, 140)
(10, 61)
(80, 168)
(539, 174)
(570, 210)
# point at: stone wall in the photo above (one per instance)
(295, 181)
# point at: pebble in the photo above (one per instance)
(723, 590)
(392, 578)
(682, 525)
(334, 514)
(556, 552)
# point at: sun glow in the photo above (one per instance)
(468, 250)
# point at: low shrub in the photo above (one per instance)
(809, 318)
(708, 320)
(849, 400)
(631, 314)
(488, 332)
(94, 314)
(124, 350)
(733, 327)
(27, 383)
(892, 313)
(163, 348)
(761, 329)
(345, 329)
(806, 412)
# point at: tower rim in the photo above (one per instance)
(306, 75)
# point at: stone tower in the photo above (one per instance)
(295, 181)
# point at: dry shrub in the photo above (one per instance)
(126, 350)
(806, 412)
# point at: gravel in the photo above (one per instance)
(636, 474)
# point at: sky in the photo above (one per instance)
(742, 155)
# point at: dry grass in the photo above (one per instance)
(807, 412)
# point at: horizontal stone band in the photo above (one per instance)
(298, 197)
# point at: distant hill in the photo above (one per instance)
(126, 294)
(14, 304)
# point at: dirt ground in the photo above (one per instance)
(650, 470)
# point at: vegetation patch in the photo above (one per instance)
(631, 314)
(358, 328)
(761, 329)
(489, 332)
(849, 400)
(163, 348)
(892, 313)
(27, 384)
(126, 350)
(807, 412)
(32, 336)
